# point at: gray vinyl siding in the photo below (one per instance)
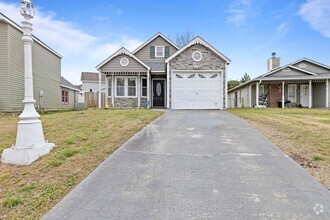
(46, 77)
(292, 72)
(15, 70)
(144, 53)
(3, 66)
(46, 69)
(114, 65)
(312, 67)
(318, 94)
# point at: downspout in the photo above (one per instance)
(226, 88)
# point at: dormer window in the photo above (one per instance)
(159, 51)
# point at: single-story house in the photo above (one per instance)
(90, 82)
(46, 67)
(69, 94)
(302, 83)
(160, 74)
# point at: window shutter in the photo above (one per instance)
(167, 51)
(152, 51)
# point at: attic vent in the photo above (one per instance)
(302, 65)
(286, 70)
(124, 61)
(197, 56)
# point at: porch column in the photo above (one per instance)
(327, 93)
(139, 90)
(148, 89)
(257, 94)
(283, 99)
(168, 86)
(310, 94)
(226, 88)
(113, 90)
(100, 77)
(250, 92)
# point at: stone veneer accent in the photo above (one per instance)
(210, 61)
(128, 102)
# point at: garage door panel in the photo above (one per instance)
(194, 91)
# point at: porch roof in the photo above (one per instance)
(318, 78)
(156, 66)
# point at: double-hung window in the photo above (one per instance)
(131, 88)
(125, 86)
(292, 93)
(65, 96)
(144, 87)
(159, 51)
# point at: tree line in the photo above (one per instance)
(234, 83)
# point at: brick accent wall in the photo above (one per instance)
(210, 61)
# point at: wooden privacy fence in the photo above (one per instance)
(92, 99)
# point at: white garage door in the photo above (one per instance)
(195, 90)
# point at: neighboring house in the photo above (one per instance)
(303, 83)
(46, 67)
(69, 94)
(90, 82)
(159, 74)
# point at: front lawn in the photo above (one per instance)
(83, 140)
(303, 134)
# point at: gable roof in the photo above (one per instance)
(121, 51)
(66, 84)
(91, 76)
(198, 40)
(15, 25)
(288, 66)
(310, 61)
(154, 37)
(309, 75)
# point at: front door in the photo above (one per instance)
(158, 92)
(304, 95)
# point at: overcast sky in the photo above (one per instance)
(247, 31)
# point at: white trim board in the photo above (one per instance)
(198, 40)
(121, 51)
(151, 39)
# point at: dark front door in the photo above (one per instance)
(158, 93)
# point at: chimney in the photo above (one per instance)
(273, 62)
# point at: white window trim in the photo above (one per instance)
(142, 77)
(126, 86)
(163, 50)
(295, 92)
(193, 56)
(121, 61)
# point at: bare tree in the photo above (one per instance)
(182, 39)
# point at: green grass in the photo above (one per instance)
(83, 140)
(12, 202)
(296, 131)
(317, 158)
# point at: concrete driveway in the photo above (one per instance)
(197, 165)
